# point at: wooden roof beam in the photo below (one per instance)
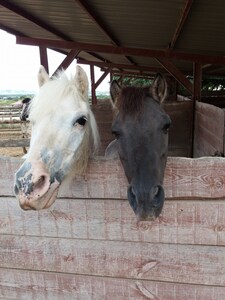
(99, 22)
(119, 66)
(133, 74)
(176, 73)
(102, 77)
(11, 30)
(67, 61)
(212, 68)
(123, 50)
(101, 25)
(180, 24)
(23, 13)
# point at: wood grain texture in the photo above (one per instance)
(187, 178)
(209, 130)
(182, 222)
(88, 245)
(180, 133)
(23, 285)
(190, 264)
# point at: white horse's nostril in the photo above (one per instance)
(40, 182)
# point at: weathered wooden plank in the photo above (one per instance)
(160, 262)
(23, 285)
(210, 111)
(182, 222)
(9, 121)
(213, 120)
(202, 178)
(15, 142)
(209, 130)
(181, 127)
(208, 137)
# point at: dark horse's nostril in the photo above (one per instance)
(132, 198)
(155, 191)
(157, 195)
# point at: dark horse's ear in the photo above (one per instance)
(159, 88)
(115, 89)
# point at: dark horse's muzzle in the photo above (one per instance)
(146, 205)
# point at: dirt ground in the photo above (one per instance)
(12, 152)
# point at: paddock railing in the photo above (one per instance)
(89, 244)
(13, 131)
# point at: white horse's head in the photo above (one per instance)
(64, 133)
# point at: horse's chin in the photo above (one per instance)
(33, 202)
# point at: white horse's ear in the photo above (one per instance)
(42, 76)
(81, 81)
(111, 151)
(159, 88)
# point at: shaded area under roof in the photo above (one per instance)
(195, 29)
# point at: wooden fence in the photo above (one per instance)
(209, 138)
(88, 245)
(13, 131)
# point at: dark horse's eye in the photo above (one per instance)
(116, 134)
(166, 127)
(81, 121)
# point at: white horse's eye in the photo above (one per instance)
(81, 121)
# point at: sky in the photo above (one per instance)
(19, 65)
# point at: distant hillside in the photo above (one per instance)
(12, 94)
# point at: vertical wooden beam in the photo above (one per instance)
(176, 88)
(44, 57)
(197, 77)
(197, 81)
(93, 94)
(111, 76)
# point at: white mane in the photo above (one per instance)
(52, 93)
(64, 135)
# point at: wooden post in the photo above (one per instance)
(197, 77)
(111, 76)
(197, 81)
(44, 58)
(93, 95)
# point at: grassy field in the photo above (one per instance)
(7, 102)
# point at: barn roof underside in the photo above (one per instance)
(127, 36)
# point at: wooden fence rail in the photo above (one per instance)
(89, 245)
(18, 131)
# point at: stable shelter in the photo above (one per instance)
(89, 245)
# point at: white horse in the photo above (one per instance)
(64, 133)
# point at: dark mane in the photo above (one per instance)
(130, 100)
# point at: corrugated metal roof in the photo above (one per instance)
(146, 24)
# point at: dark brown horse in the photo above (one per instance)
(141, 130)
(24, 115)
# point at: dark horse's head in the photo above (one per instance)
(141, 130)
(24, 115)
